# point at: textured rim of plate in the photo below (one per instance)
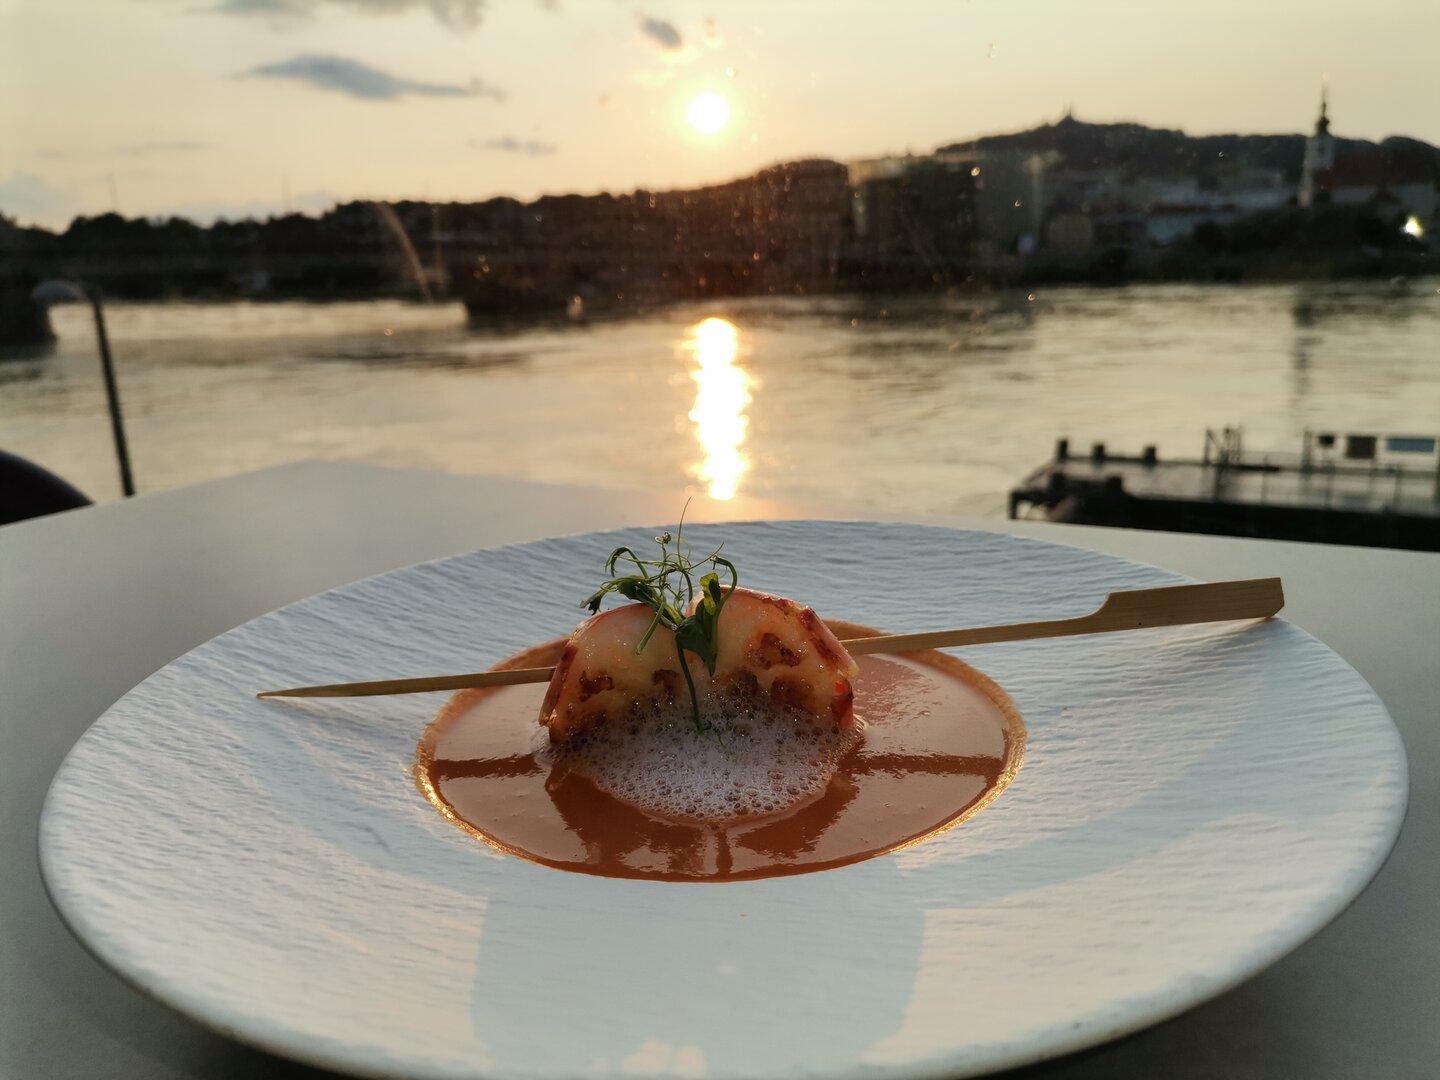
(1176, 1000)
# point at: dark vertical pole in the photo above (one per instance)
(112, 395)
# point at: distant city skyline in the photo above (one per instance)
(232, 108)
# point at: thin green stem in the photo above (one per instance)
(700, 724)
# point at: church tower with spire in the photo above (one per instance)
(1319, 153)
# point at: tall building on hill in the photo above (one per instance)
(1319, 154)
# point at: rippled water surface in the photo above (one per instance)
(918, 404)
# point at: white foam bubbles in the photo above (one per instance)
(755, 760)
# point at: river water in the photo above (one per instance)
(915, 404)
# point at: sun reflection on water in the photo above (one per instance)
(722, 391)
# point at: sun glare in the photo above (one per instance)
(722, 392)
(708, 113)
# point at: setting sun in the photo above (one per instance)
(708, 113)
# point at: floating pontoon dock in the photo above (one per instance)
(1372, 490)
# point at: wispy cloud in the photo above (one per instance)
(296, 8)
(456, 14)
(162, 146)
(662, 33)
(359, 80)
(144, 148)
(509, 144)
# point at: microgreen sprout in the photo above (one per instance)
(667, 586)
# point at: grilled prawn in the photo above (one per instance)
(769, 647)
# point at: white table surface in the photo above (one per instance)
(94, 600)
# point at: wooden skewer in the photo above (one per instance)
(1134, 609)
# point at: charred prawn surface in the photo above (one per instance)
(769, 648)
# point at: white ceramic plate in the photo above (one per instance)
(1194, 803)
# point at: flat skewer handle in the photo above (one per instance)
(1133, 609)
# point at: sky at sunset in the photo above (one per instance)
(235, 107)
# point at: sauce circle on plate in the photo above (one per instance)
(940, 742)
